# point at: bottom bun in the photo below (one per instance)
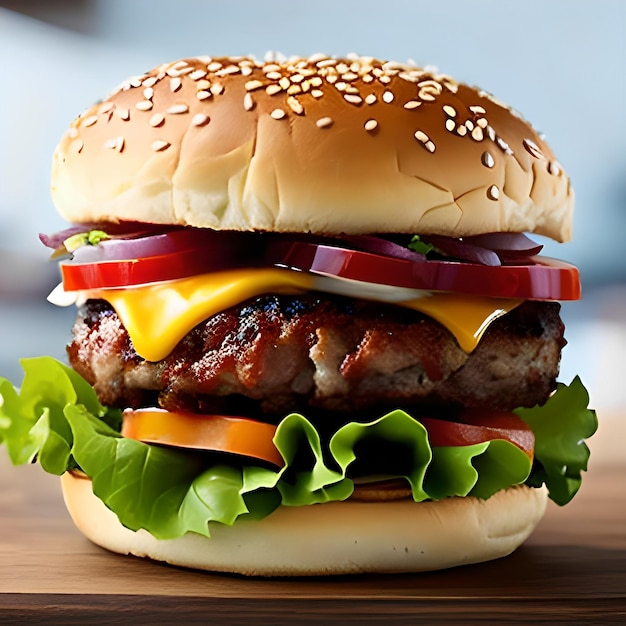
(332, 538)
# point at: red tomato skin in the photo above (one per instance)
(544, 279)
(183, 255)
(477, 426)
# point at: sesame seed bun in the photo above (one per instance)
(384, 537)
(321, 144)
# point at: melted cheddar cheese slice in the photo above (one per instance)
(157, 316)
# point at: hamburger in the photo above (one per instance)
(313, 335)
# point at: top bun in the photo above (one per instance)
(318, 144)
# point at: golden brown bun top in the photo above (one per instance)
(316, 144)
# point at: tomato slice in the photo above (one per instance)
(477, 426)
(217, 433)
(183, 253)
(250, 438)
(542, 279)
(165, 256)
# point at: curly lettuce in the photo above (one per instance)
(57, 420)
(561, 426)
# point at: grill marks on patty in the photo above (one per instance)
(323, 353)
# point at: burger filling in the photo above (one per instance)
(319, 353)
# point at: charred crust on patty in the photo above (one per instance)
(324, 355)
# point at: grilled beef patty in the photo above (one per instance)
(322, 353)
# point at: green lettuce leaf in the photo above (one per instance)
(57, 419)
(32, 421)
(166, 491)
(478, 470)
(561, 425)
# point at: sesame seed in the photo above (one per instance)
(487, 159)
(123, 114)
(425, 140)
(251, 85)
(274, 75)
(503, 145)
(532, 148)
(317, 93)
(177, 109)
(461, 130)
(175, 84)
(352, 98)
(295, 105)
(316, 81)
(117, 143)
(202, 84)
(248, 102)
(200, 119)
(482, 122)
(294, 89)
(272, 90)
(156, 120)
(428, 89)
(278, 114)
(217, 89)
(317, 56)
(450, 125)
(477, 133)
(180, 67)
(213, 67)
(368, 78)
(90, 121)
(370, 125)
(493, 193)
(246, 70)
(105, 108)
(297, 78)
(477, 109)
(284, 82)
(384, 79)
(230, 69)
(469, 125)
(203, 95)
(412, 104)
(151, 81)
(148, 93)
(392, 66)
(341, 85)
(554, 168)
(197, 74)
(143, 105)
(159, 145)
(388, 97)
(370, 98)
(491, 133)
(449, 110)
(324, 122)
(326, 63)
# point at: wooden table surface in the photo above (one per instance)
(572, 570)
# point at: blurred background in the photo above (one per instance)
(561, 63)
